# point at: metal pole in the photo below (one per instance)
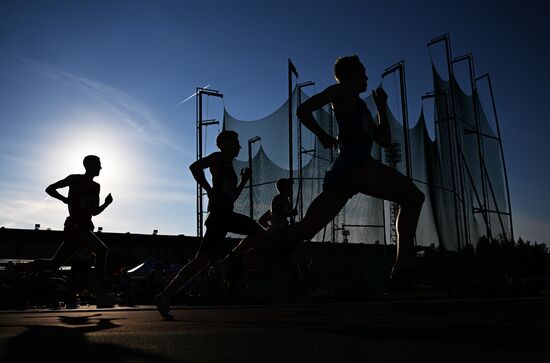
(300, 161)
(251, 189)
(300, 152)
(451, 154)
(200, 222)
(290, 166)
(501, 151)
(405, 112)
(484, 207)
(466, 236)
(459, 171)
(480, 145)
(498, 213)
(291, 71)
(199, 125)
(331, 130)
(400, 66)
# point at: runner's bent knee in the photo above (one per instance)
(414, 196)
(417, 196)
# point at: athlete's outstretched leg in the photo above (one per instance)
(321, 211)
(185, 274)
(381, 181)
(90, 241)
(252, 257)
(62, 255)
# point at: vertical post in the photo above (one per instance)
(300, 151)
(300, 160)
(291, 71)
(251, 187)
(392, 154)
(331, 130)
(199, 125)
(501, 152)
(405, 115)
(200, 221)
(462, 232)
(457, 140)
(437, 120)
(484, 208)
(480, 146)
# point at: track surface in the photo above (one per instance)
(476, 330)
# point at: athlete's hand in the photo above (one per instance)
(380, 98)
(245, 174)
(108, 199)
(328, 141)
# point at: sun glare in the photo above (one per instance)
(117, 161)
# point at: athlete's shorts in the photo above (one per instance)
(218, 224)
(350, 157)
(75, 231)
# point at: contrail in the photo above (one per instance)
(137, 131)
(188, 98)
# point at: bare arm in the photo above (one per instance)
(197, 169)
(306, 109)
(52, 189)
(245, 177)
(101, 208)
(383, 132)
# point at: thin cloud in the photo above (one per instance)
(25, 213)
(187, 99)
(19, 160)
(126, 108)
(174, 197)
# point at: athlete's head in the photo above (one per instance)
(228, 142)
(284, 186)
(349, 70)
(92, 164)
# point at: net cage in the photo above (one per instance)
(451, 170)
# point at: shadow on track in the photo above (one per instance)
(60, 344)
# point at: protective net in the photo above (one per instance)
(482, 199)
(459, 171)
(270, 162)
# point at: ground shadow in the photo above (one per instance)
(67, 344)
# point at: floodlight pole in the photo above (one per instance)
(300, 151)
(250, 194)
(400, 67)
(486, 75)
(393, 153)
(331, 131)
(457, 145)
(291, 71)
(456, 197)
(200, 123)
(483, 208)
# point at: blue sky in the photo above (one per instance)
(105, 77)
